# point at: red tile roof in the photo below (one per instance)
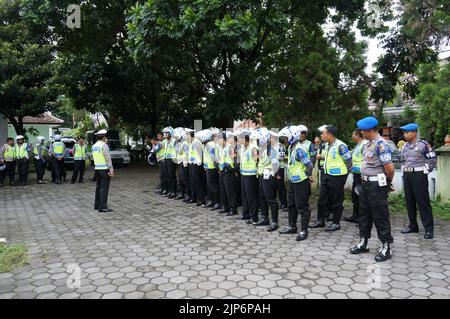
(45, 118)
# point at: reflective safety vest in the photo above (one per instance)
(182, 155)
(209, 153)
(334, 163)
(194, 156)
(296, 169)
(306, 145)
(36, 150)
(58, 149)
(248, 163)
(21, 151)
(79, 152)
(226, 158)
(99, 159)
(8, 155)
(162, 152)
(357, 157)
(170, 153)
(264, 162)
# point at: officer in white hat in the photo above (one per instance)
(103, 171)
(21, 153)
(57, 152)
(7, 158)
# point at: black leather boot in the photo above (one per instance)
(384, 253)
(361, 247)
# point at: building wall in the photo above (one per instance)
(3, 129)
(42, 130)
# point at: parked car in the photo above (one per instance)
(68, 158)
(119, 155)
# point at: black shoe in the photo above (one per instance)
(216, 207)
(288, 230)
(351, 219)
(409, 230)
(181, 196)
(211, 205)
(232, 213)
(428, 235)
(249, 222)
(204, 205)
(160, 192)
(172, 195)
(264, 222)
(272, 227)
(384, 253)
(359, 248)
(302, 235)
(191, 201)
(186, 200)
(105, 210)
(333, 227)
(243, 218)
(320, 223)
(223, 211)
(201, 204)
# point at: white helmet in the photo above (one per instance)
(292, 133)
(322, 128)
(205, 135)
(168, 130)
(57, 137)
(40, 139)
(19, 137)
(254, 134)
(264, 135)
(179, 133)
(303, 128)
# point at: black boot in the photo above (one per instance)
(216, 207)
(351, 219)
(384, 253)
(272, 227)
(333, 227)
(302, 235)
(359, 248)
(181, 196)
(263, 222)
(319, 223)
(288, 230)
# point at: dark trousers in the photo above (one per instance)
(416, 194)
(195, 178)
(39, 164)
(355, 198)
(171, 171)
(22, 168)
(331, 197)
(239, 190)
(223, 196)
(231, 184)
(245, 208)
(250, 195)
(268, 198)
(10, 171)
(281, 188)
(298, 203)
(373, 209)
(79, 167)
(57, 169)
(102, 189)
(183, 180)
(162, 176)
(212, 176)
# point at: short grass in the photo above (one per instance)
(12, 256)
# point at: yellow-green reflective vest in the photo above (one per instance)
(58, 149)
(79, 152)
(249, 164)
(209, 155)
(264, 162)
(194, 156)
(21, 151)
(296, 169)
(306, 145)
(182, 155)
(171, 153)
(99, 159)
(162, 152)
(226, 157)
(357, 158)
(8, 155)
(334, 163)
(36, 150)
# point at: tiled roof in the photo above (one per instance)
(45, 118)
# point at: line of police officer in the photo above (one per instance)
(246, 168)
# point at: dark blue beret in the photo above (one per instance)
(367, 123)
(410, 127)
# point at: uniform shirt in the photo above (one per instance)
(273, 155)
(418, 154)
(53, 153)
(198, 148)
(2, 151)
(376, 154)
(41, 150)
(322, 151)
(107, 155)
(344, 152)
(312, 151)
(303, 157)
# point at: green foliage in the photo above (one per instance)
(434, 99)
(397, 206)
(12, 256)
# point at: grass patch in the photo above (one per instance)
(397, 205)
(12, 256)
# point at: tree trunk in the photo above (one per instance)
(18, 124)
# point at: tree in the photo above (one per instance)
(434, 99)
(26, 67)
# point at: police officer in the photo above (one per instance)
(279, 177)
(57, 152)
(300, 175)
(158, 148)
(418, 160)
(182, 148)
(249, 188)
(229, 163)
(268, 166)
(210, 162)
(40, 159)
(307, 145)
(338, 162)
(222, 144)
(103, 171)
(377, 173)
(196, 169)
(79, 164)
(7, 158)
(21, 154)
(357, 156)
(169, 164)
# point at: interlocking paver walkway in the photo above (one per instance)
(154, 247)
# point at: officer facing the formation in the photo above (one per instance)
(40, 159)
(7, 158)
(210, 162)
(79, 164)
(268, 165)
(300, 175)
(418, 160)
(57, 151)
(377, 174)
(182, 158)
(357, 156)
(103, 171)
(229, 174)
(338, 162)
(21, 154)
